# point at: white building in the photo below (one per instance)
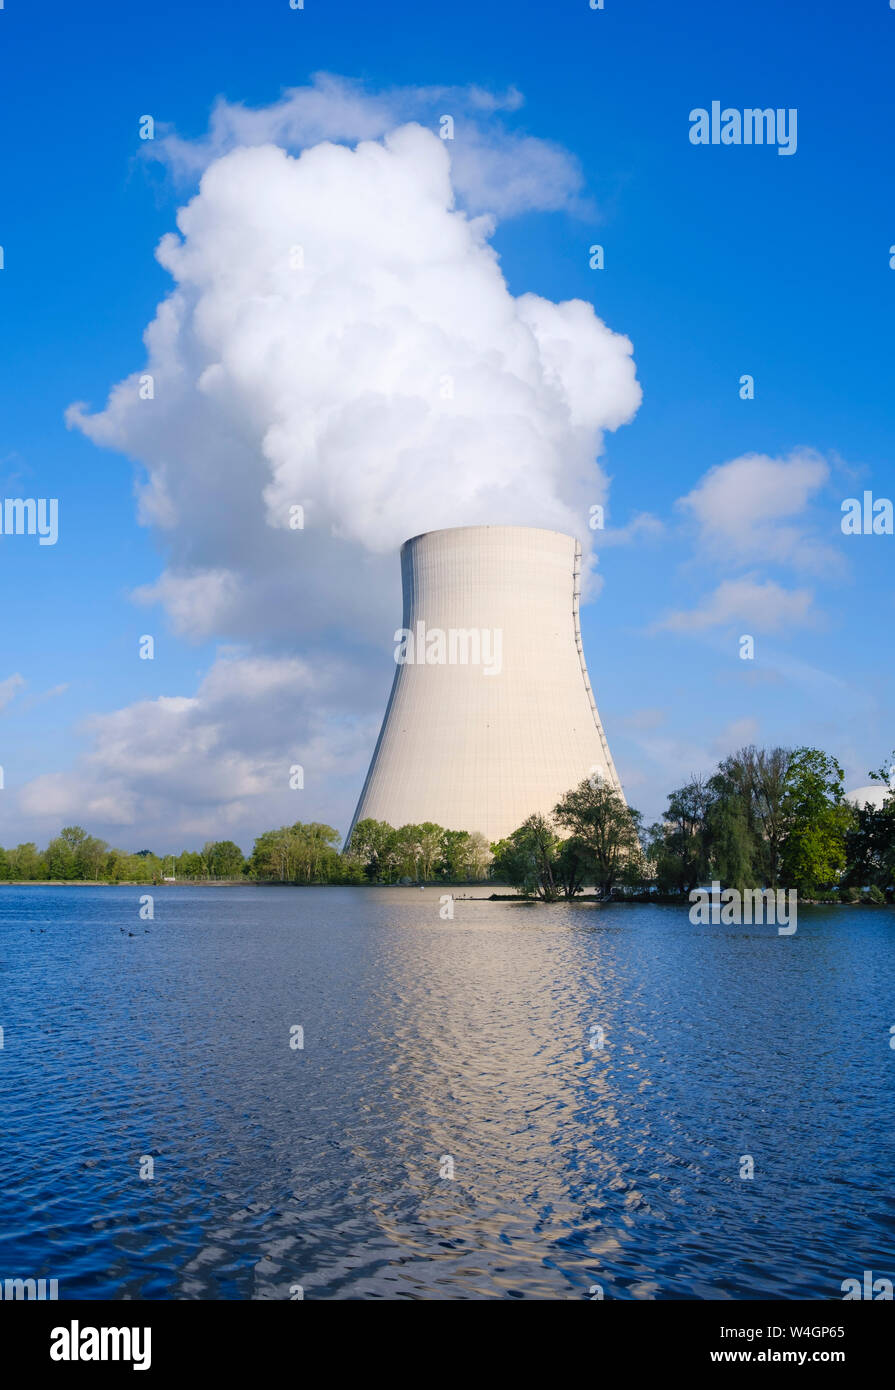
(872, 796)
(491, 715)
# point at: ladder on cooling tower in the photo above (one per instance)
(576, 604)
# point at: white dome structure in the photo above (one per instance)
(874, 795)
(491, 716)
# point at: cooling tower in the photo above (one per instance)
(491, 715)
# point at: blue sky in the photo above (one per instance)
(719, 261)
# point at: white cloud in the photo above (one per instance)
(739, 733)
(9, 689)
(666, 761)
(650, 717)
(494, 169)
(641, 527)
(761, 606)
(755, 510)
(749, 510)
(215, 764)
(386, 380)
(196, 603)
(41, 697)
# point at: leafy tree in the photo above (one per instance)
(678, 845)
(527, 859)
(464, 855)
(455, 855)
(817, 822)
(685, 817)
(415, 850)
(776, 815)
(815, 853)
(63, 851)
(73, 854)
(351, 871)
(771, 794)
(661, 866)
(189, 865)
(479, 855)
(297, 854)
(757, 779)
(224, 859)
(26, 862)
(571, 867)
(431, 839)
(733, 845)
(870, 839)
(60, 858)
(272, 856)
(120, 867)
(370, 845)
(886, 774)
(90, 857)
(606, 828)
(316, 857)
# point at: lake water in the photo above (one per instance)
(430, 1044)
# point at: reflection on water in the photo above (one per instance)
(473, 1040)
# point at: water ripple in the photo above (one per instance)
(451, 1128)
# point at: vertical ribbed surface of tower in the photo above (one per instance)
(491, 715)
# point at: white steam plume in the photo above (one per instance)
(341, 337)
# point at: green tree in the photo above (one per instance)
(606, 828)
(90, 857)
(26, 862)
(757, 779)
(224, 859)
(815, 853)
(870, 839)
(297, 854)
(371, 846)
(315, 855)
(886, 774)
(733, 847)
(527, 859)
(479, 856)
(189, 864)
(464, 855)
(61, 852)
(571, 866)
(120, 867)
(418, 849)
(679, 845)
(272, 856)
(431, 846)
(817, 822)
(455, 855)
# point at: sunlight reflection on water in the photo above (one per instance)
(574, 1165)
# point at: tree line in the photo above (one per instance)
(300, 853)
(767, 817)
(75, 856)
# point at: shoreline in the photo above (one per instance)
(640, 900)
